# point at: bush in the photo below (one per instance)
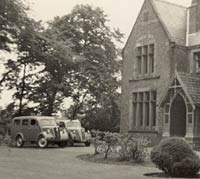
(133, 147)
(176, 158)
(97, 141)
(110, 142)
(105, 142)
(126, 147)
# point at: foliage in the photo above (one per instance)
(5, 119)
(110, 139)
(105, 142)
(75, 56)
(126, 146)
(175, 157)
(53, 82)
(97, 140)
(133, 147)
(95, 79)
(106, 117)
(12, 14)
(40, 73)
(18, 34)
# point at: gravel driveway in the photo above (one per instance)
(61, 163)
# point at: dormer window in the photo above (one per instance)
(197, 61)
(145, 60)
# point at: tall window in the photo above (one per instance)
(139, 60)
(144, 109)
(197, 61)
(151, 58)
(145, 60)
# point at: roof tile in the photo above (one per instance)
(174, 18)
(192, 85)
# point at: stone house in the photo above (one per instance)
(161, 72)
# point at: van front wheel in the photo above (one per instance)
(19, 141)
(42, 142)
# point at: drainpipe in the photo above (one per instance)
(187, 27)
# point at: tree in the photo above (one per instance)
(12, 13)
(54, 86)
(20, 73)
(95, 79)
(39, 74)
(41, 70)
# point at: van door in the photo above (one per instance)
(24, 129)
(33, 130)
(15, 128)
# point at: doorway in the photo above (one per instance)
(178, 117)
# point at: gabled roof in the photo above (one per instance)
(174, 19)
(190, 84)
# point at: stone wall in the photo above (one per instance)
(146, 32)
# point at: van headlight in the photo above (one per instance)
(74, 131)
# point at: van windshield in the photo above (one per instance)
(47, 122)
(73, 124)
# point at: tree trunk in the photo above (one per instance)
(78, 106)
(106, 152)
(22, 91)
(52, 99)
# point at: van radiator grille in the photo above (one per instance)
(83, 134)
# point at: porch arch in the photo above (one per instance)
(178, 115)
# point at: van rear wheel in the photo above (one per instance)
(42, 142)
(19, 141)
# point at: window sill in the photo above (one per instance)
(149, 77)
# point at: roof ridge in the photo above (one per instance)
(167, 2)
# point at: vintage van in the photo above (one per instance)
(41, 130)
(77, 133)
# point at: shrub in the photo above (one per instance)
(175, 157)
(110, 142)
(133, 147)
(105, 142)
(126, 146)
(96, 141)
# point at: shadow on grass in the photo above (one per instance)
(163, 175)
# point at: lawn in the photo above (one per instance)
(114, 160)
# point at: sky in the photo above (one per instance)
(121, 14)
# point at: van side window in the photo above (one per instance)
(33, 122)
(17, 122)
(25, 122)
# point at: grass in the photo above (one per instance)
(114, 160)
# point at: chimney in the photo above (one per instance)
(194, 17)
